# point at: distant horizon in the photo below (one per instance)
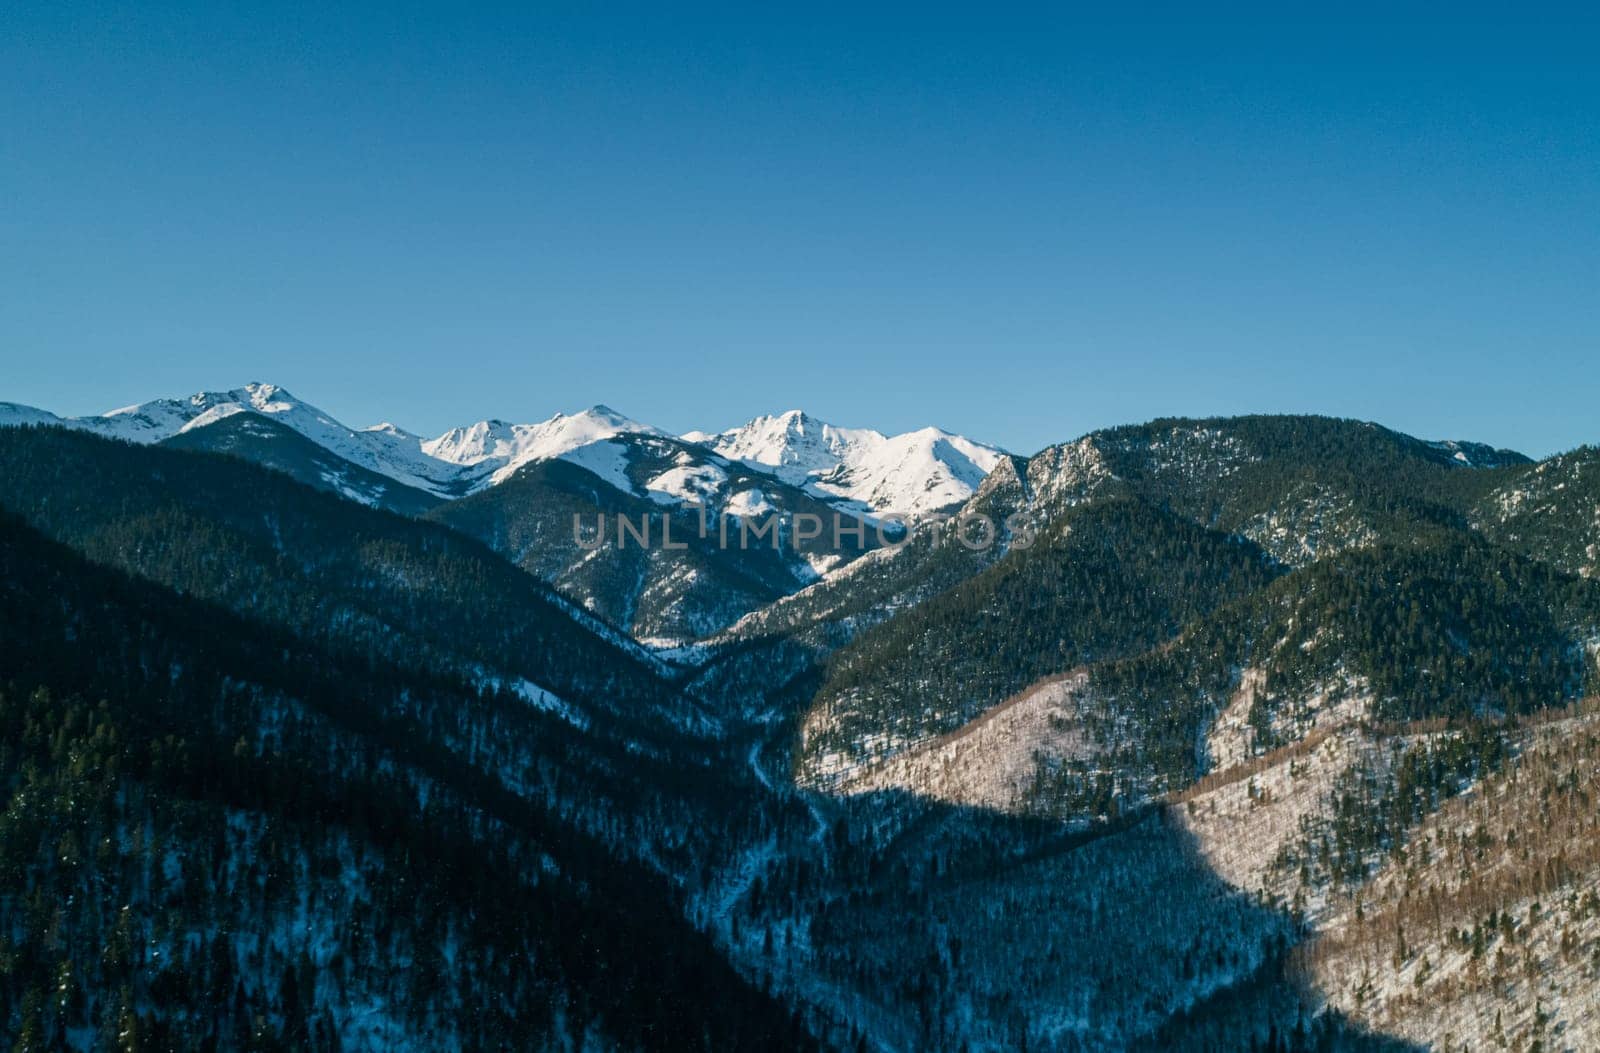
(603, 404)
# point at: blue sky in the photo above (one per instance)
(1014, 222)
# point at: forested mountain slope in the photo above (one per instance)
(1482, 930)
(1302, 487)
(216, 835)
(1452, 630)
(252, 539)
(258, 438)
(557, 706)
(1107, 580)
(1550, 510)
(1388, 660)
(1247, 481)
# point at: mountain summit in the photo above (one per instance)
(507, 447)
(909, 474)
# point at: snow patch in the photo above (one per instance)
(699, 483)
(748, 504)
(607, 459)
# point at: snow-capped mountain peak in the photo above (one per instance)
(791, 445)
(394, 430)
(473, 443)
(908, 474)
(158, 419)
(499, 448)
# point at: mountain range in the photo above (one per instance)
(864, 470)
(1270, 733)
(521, 488)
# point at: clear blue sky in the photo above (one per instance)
(1012, 223)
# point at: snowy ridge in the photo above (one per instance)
(384, 449)
(1477, 454)
(461, 461)
(13, 415)
(909, 474)
(504, 447)
(859, 469)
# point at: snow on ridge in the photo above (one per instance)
(1476, 454)
(497, 449)
(908, 474)
(687, 482)
(393, 430)
(158, 419)
(748, 504)
(872, 473)
(463, 460)
(212, 415)
(607, 459)
(16, 415)
(387, 451)
(793, 445)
